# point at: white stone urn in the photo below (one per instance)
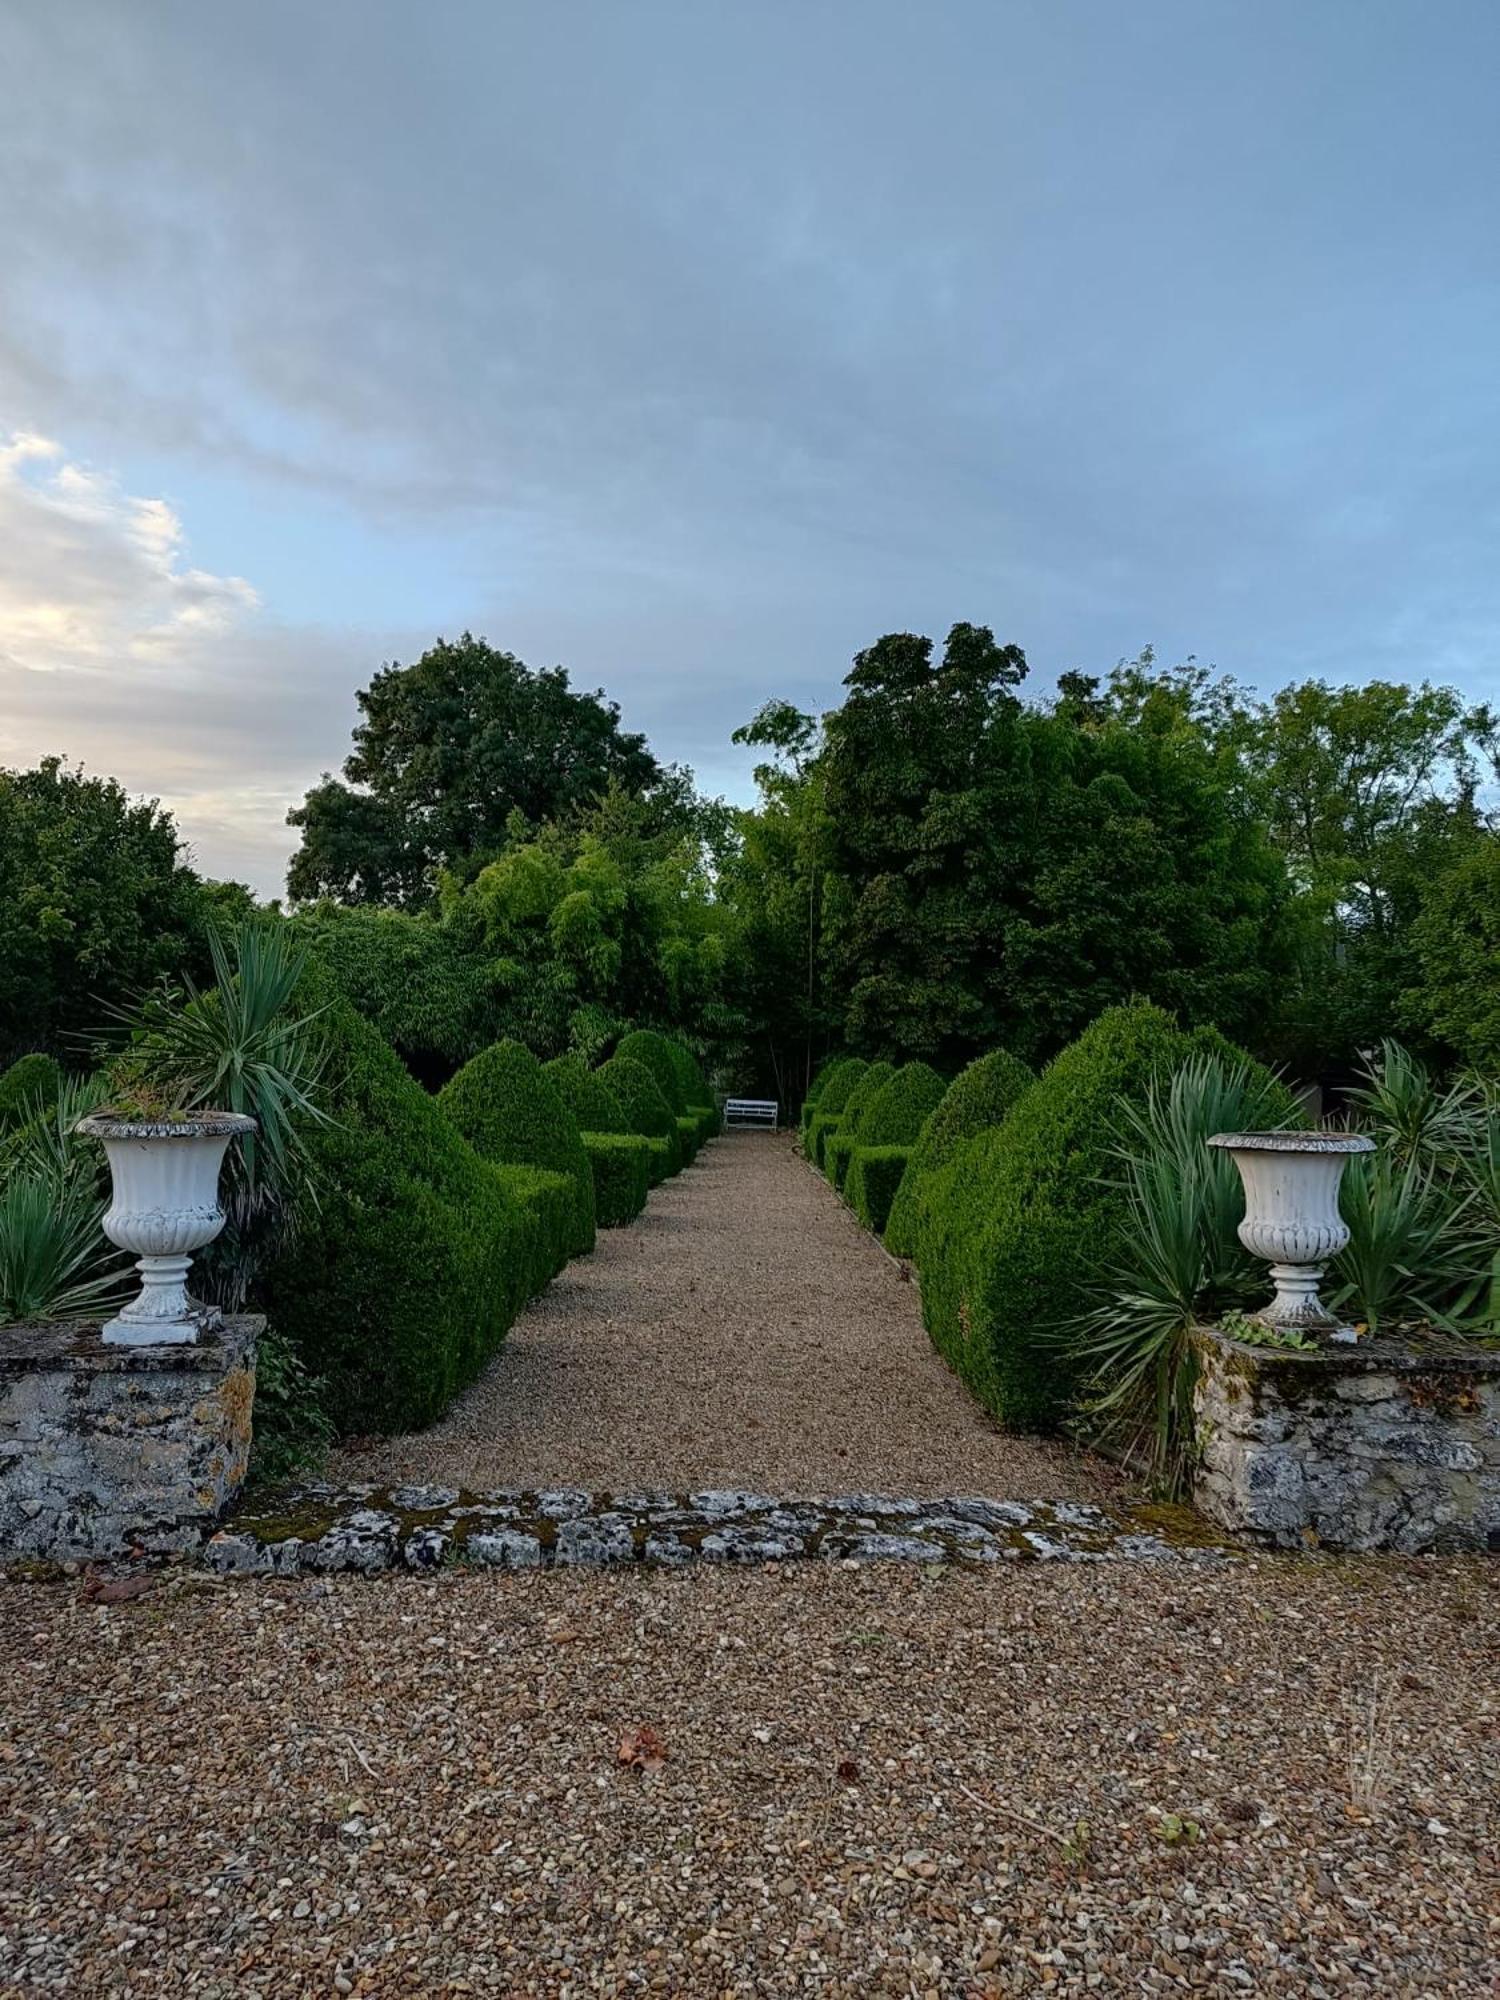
(1292, 1215)
(164, 1206)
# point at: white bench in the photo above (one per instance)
(751, 1111)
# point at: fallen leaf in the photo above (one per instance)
(641, 1749)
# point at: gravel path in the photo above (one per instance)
(873, 1783)
(745, 1331)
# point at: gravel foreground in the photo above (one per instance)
(1274, 1776)
(744, 1331)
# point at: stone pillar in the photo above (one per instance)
(1377, 1446)
(105, 1449)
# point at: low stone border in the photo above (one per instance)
(422, 1528)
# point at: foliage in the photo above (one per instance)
(646, 1110)
(874, 1175)
(293, 1429)
(1173, 1258)
(511, 1113)
(95, 903)
(839, 1144)
(896, 1115)
(979, 1098)
(244, 1046)
(54, 1262)
(431, 994)
(653, 1051)
(1019, 1215)
(26, 1088)
(586, 1094)
(621, 1169)
(420, 1255)
(689, 1137)
(839, 1079)
(445, 751)
(1455, 995)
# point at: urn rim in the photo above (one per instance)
(1293, 1142)
(195, 1125)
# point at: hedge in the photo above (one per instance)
(414, 1256)
(654, 1052)
(872, 1180)
(30, 1085)
(621, 1173)
(586, 1095)
(1018, 1216)
(867, 1088)
(897, 1114)
(646, 1110)
(696, 1090)
(979, 1098)
(512, 1113)
(827, 1071)
(833, 1087)
(689, 1136)
(815, 1139)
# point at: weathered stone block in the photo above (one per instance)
(1377, 1446)
(107, 1449)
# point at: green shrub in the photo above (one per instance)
(833, 1085)
(586, 1094)
(657, 1053)
(866, 1089)
(895, 1117)
(689, 1137)
(646, 1110)
(621, 1176)
(1019, 1215)
(28, 1086)
(977, 1099)
(823, 1125)
(826, 1072)
(401, 1280)
(512, 1114)
(872, 1180)
(661, 1158)
(696, 1089)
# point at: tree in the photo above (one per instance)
(1456, 948)
(96, 904)
(448, 748)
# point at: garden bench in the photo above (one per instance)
(751, 1111)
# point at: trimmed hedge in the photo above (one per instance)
(980, 1097)
(586, 1095)
(646, 1110)
(897, 1114)
(1018, 1216)
(696, 1090)
(833, 1085)
(823, 1125)
(689, 1136)
(866, 1089)
(621, 1173)
(874, 1175)
(403, 1276)
(512, 1113)
(30, 1085)
(656, 1053)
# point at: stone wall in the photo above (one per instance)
(1375, 1446)
(108, 1449)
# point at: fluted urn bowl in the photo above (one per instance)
(164, 1206)
(1292, 1217)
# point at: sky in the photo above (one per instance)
(695, 346)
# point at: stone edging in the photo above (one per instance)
(318, 1529)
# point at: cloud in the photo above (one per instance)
(116, 651)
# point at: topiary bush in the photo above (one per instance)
(656, 1053)
(696, 1089)
(30, 1085)
(831, 1088)
(1017, 1218)
(979, 1098)
(815, 1139)
(896, 1115)
(586, 1095)
(839, 1145)
(512, 1114)
(621, 1171)
(646, 1111)
(872, 1180)
(411, 1256)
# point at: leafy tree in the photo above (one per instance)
(1456, 948)
(447, 749)
(96, 903)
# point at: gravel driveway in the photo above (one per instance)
(871, 1782)
(745, 1331)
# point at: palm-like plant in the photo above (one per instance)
(1414, 1250)
(1175, 1260)
(54, 1261)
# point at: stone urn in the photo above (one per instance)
(164, 1205)
(1292, 1215)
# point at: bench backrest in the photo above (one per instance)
(752, 1111)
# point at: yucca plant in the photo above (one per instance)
(1176, 1259)
(54, 1261)
(1400, 1106)
(1415, 1253)
(239, 1046)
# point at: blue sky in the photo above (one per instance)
(697, 346)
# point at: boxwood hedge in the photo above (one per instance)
(646, 1111)
(872, 1180)
(1014, 1221)
(980, 1097)
(621, 1170)
(511, 1112)
(654, 1051)
(413, 1256)
(30, 1085)
(838, 1145)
